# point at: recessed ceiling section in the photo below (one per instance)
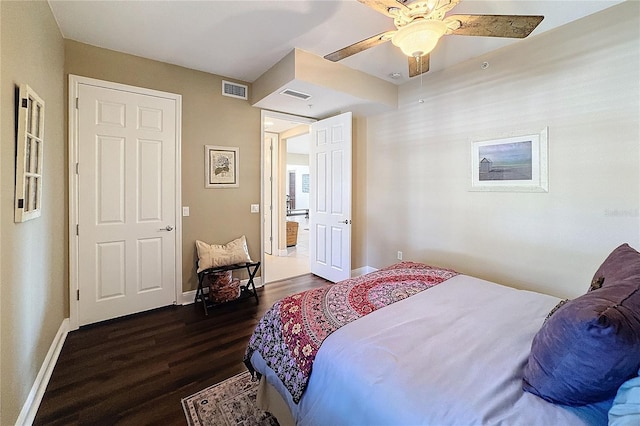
(325, 104)
(321, 88)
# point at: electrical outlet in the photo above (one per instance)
(399, 255)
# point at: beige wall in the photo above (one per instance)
(208, 118)
(359, 194)
(582, 81)
(34, 253)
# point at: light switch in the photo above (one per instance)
(255, 208)
(185, 211)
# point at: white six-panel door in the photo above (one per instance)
(330, 198)
(126, 202)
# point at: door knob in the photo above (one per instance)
(167, 228)
(346, 221)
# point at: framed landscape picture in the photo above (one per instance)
(221, 167)
(517, 163)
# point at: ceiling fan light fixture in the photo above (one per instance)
(419, 37)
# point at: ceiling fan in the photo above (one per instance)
(421, 23)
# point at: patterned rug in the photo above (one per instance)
(228, 403)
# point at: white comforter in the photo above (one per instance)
(450, 355)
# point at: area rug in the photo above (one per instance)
(228, 403)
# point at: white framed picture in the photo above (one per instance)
(221, 166)
(515, 163)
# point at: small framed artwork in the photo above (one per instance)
(221, 166)
(517, 163)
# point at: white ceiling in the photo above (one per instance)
(242, 39)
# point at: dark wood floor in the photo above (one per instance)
(136, 370)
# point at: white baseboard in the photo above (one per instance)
(31, 405)
(362, 271)
(188, 297)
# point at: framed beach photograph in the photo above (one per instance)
(221, 167)
(516, 163)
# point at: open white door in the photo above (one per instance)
(330, 198)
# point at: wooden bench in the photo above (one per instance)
(247, 290)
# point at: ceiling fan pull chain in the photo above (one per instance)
(419, 67)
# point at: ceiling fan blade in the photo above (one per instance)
(419, 66)
(383, 6)
(359, 46)
(513, 26)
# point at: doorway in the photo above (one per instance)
(285, 227)
(125, 240)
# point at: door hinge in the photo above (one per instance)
(77, 103)
(77, 229)
(77, 168)
(25, 103)
(78, 294)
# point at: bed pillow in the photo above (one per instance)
(622, 263)
(215, 255)
(588, 348)
(625, 410)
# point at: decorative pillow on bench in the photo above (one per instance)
(215, 255)
(591, 345)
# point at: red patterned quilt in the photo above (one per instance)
(290, 333)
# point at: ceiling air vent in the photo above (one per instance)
(234, 90)
(295, 94)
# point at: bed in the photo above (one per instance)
(449, 351)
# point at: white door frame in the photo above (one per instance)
(269, 181)
(275, 214)
(74, 83)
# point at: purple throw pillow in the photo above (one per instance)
(587, 349)
(591, 346)
(621, 264)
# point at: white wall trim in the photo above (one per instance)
(31, 405)
(362, 271)
(188, 297)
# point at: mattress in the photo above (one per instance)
(453, 354)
